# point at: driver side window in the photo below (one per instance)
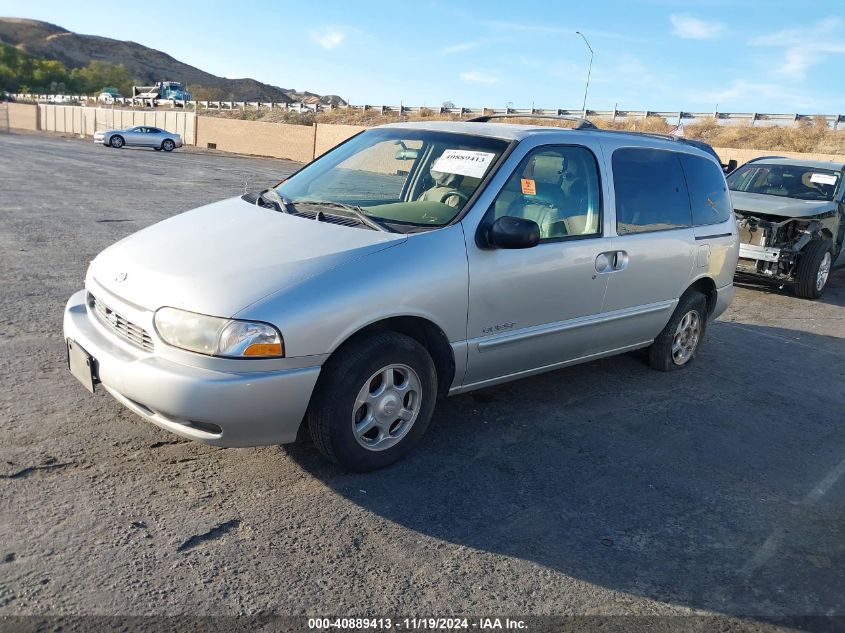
(558, 188)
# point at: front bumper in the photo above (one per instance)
(215, 407)
(759, 253)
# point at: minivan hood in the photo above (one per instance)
(759, 203)
(223, 257)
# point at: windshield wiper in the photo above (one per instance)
(281, 203)
(355, 210)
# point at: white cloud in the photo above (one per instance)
(804, 47)
(513, 28)
(740, 93)
(691, 28)
(627, 64)
(459, 48)
(329, 37)
(478, 77)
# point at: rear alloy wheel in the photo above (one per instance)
(676, 346)
(373, 401)
(117, 141)
(813, 270)
(167, 145)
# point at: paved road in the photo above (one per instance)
(601, 489)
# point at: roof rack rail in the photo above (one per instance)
(583, 124)
(753, 160)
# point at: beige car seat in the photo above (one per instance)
(445, 189)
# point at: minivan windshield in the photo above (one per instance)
(786, 181)
(402, 176)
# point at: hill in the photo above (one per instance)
(144, 64)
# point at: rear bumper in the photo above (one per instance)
(215, 407)
(724, 297)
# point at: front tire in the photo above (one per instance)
(676, 346)
(117, 141)
(373, 402)
(814, 269)
(167, 145)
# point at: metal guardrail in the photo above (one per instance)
(833, 120)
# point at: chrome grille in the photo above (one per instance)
(127, 330)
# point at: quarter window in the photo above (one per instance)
(708, 191)
(558, 188)
(651, 192)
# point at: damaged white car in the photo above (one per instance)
(791, 217)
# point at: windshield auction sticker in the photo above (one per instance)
(463, 162)
(529, 187)
(823, 179)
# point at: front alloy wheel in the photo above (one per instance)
(386, 407)
(813, 270)
(373, 401)
(824, 272)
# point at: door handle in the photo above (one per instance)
(611, 261)
(620, 261)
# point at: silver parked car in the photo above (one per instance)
(413, 261)
(140, 136)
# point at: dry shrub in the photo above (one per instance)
(276, 115)
(806, 136)
(350, 116)
(653, 125)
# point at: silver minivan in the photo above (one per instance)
(413, 261)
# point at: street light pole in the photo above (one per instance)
(589, 70)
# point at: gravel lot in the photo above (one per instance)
(601, 489)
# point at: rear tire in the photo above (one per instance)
(676, 346)
(373, 402)
(813, 269)
(117, 141)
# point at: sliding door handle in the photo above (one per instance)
(611, 261)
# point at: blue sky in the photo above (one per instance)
(757, 55)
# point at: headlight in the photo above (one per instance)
(214, 336)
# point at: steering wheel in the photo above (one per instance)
(460, 195)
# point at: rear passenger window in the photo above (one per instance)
(651, 192)
(708, 192)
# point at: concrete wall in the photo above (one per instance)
(744, 155)
(277, 140)
(85, 121)
(23, 116)
(330, 135)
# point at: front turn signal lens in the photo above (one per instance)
(264, 349)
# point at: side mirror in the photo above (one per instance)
(731, 166)
(510, 232)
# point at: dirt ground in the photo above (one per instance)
(602, 489)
